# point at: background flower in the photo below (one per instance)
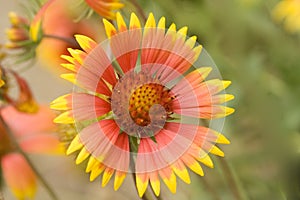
(287, 12)
(32, 132)
(58, 21)
(104, 8)
(53, 24)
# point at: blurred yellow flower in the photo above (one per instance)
(1, 81)
(288, 13)
(2, 55)
(17, 34)
(23, 36)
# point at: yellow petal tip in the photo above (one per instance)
(74, 146)
(71, 77)
(64, 118)
(60, 103)
(119, 179)
(226, 83)
(222, 139)
(216, 151)
(134, 21)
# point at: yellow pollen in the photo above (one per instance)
(144, 97)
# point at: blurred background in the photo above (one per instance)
(260, 57)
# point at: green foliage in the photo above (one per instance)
(262, 61)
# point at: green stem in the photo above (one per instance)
(210, 189)
(227, 173)
(70, 41)
(19, 149)
(230, 179)
(1, 194)
(139, 9)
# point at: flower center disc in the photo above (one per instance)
(143, 98)
(140, 104)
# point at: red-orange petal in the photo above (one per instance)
(18, 176)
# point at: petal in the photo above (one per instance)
(96, 72)
(160, 154)
(71, 77)
(108, 173)
(62, 103)
(198, 99)
(150, 23)
(69, 66)
(19, 176)
(155, 183)
(86, 43)
(181, 171)
(192, 164)
(120, 22)
(167, 54)
(84, 107)
(83, 154)
(119, 179)
(109, 28)
(104, 142)
(207, 134)
(46, 144)
(215, 112)
(105, 8)
(78, 55)
(169, 178)
(96, 171)
(134, 22)
(205, 159)
(93, 162)
(65, 118)
(70, 59)
(125, 47)
(216, 151)
(75, 145)
(23, 123)
(142, 180)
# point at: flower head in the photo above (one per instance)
(139, 103)
(59, 28)
(104, 8)
(52, 25)
(18, 34)
(25, 101)
(288, 12)
(25, 34)
(31, 131)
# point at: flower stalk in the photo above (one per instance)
(70, 41)
(230, 179)
(139, 9)
(210, 189)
